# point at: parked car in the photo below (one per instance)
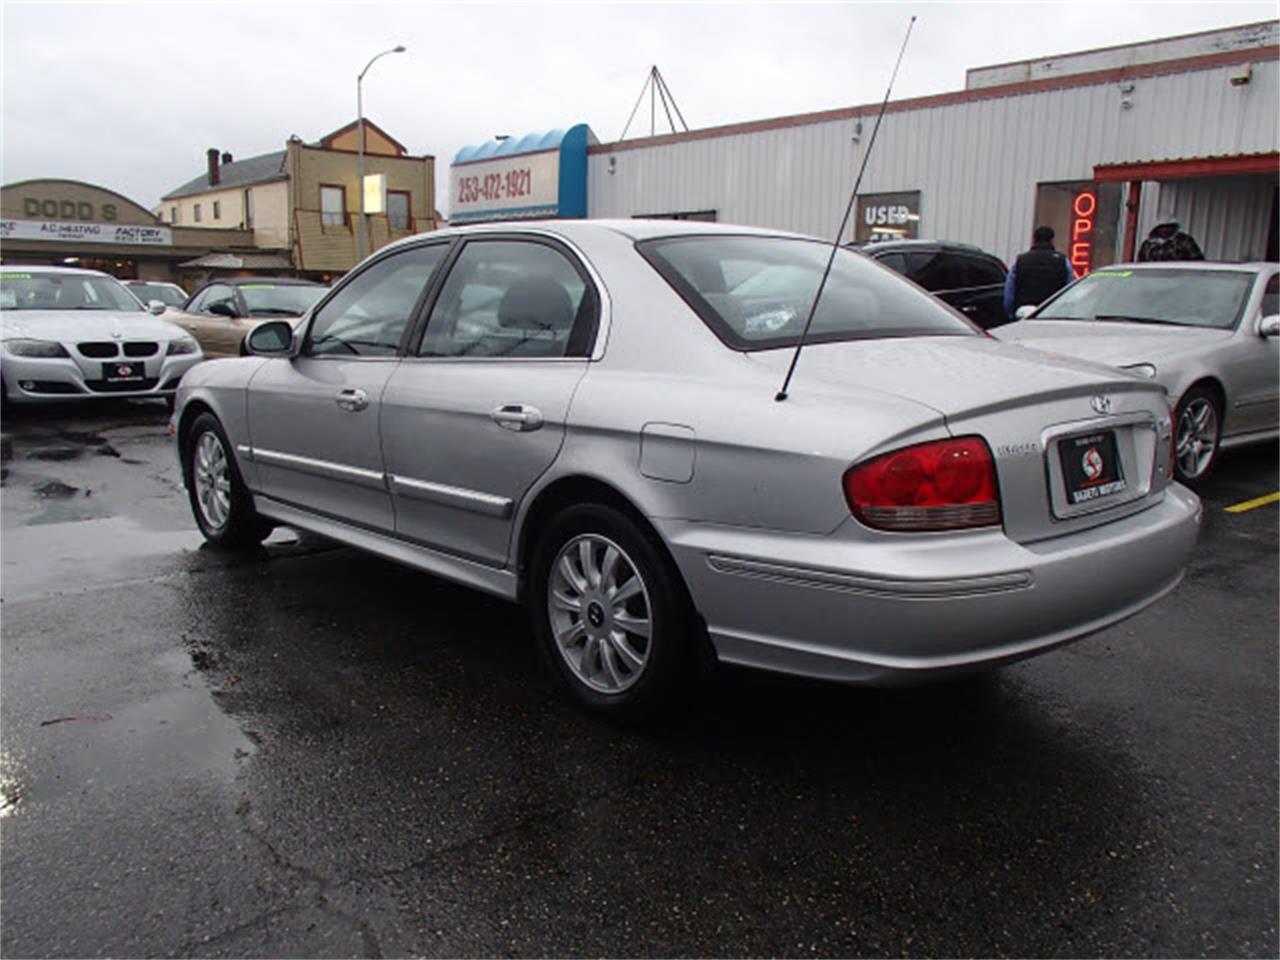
(581, 415)
(964, 276)
(70, 334)
(170, 294)
(1209, 333)
(220, 313)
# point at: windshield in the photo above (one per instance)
(64, 291)
(272, 300)
(755, 292)
(170, 296)
(1185, 298)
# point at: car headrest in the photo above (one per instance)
(536, 303)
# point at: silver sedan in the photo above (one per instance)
(1207, 332)
(581, 416)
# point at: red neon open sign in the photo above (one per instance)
(1083, 209)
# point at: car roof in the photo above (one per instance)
(635, 229)
(1255, 266)
(281, 281)
(887, 246)
(51, 270)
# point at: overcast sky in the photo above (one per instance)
(130, 95)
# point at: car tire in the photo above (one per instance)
(1198, 426)
(613, 619)
(220, 501)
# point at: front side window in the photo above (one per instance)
(333, 206)
(367, 316)
(977, 271)
(1184, 298)
(66, 291)
(221, 296)
(512, 298)
(397, 210)
(1271, 296)
(755, 292)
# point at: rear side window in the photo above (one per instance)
(755, 292)
(511, 298)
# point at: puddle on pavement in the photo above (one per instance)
(55, 554)
(173, 730)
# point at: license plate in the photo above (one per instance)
(124, 372)
(1091, 466)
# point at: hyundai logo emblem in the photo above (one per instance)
(1101, 403)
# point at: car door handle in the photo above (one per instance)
(353, 400)
(519, 417)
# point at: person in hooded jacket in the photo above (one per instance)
(1167, 242)
(1036, 274)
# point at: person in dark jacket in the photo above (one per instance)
(1167, 242)
(1036, 274)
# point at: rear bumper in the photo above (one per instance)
(908, 608)
(61, 379)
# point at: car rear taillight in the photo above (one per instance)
(943, 485)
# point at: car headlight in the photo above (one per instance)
(182, 345)
(35, 348)
(1147, 370)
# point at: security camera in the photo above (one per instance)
(1240, 78)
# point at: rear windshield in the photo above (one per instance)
(755, 292)
(63, 291)
(1179, 297)
(282, 300)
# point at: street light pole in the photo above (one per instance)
(360, 241)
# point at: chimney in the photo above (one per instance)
(226, 158)
(212, 154)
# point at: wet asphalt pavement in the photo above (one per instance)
(312, 752)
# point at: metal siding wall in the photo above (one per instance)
(976, 164)
(1229, 218)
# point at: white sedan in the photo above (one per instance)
(73, 334)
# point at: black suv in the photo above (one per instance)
(969, 279)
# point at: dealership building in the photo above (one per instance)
(1099, 144)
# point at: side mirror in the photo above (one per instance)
(1024, 311)
(155, 307)
(271, 339)
(1270, 326)
(223, 310)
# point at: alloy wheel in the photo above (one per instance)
(1197, 437)
(212, 474)
(600, 613)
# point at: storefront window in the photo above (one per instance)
(887, 216)
(1085, 217)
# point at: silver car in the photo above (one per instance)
(1209, 333)
(68, 334)
(581, 416)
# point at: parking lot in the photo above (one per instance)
(309, 751)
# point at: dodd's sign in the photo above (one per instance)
(86, 232)
(540, 175)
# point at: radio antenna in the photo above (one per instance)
(844, 223)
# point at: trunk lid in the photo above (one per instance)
(1034, 410)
